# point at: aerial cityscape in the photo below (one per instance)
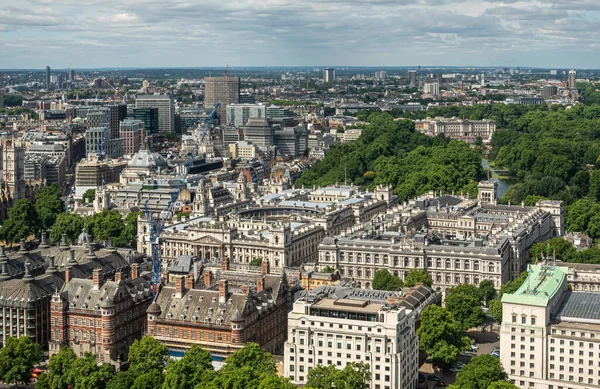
(336, 209)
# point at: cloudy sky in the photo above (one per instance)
(159, 33)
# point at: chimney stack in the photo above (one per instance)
(245, 289)
(118, 277)
(44, 243)
(264, 267)
(223, 291)
(63, 240)
(68, 274)
(179, 281)
(225, 263)
(22, 248)
(135, 271)
(260, 284)
(189, 282)
(96, 278)
(207, 279)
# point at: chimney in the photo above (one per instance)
(179, 286)
(264, 267)
(223, 291)
(91, 253)
(189, 282)
(22, 248)
(68, 274)
(118, 277)
(72, 260)
(245, 289)
(225, 263)
(96, 278)
(63, 240)
(135, 271)
(260, 284)
(207, 278)
(44, 243)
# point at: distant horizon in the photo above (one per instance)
(294, 67)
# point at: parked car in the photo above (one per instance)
(474, 348)
(432, 377)
(495, 355)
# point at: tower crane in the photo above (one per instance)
(226, 70)
(158, 224)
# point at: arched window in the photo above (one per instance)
(448, 264)
(457, 264)
(491, 267)
(438, 263)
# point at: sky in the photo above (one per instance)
(199, 33)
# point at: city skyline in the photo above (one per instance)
(273, 33)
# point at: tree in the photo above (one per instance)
(487, 291)
(123, 380)
(415, 276)
(58, 369)
(496, 310)
(104, 225)
(70, 224)
(480, 373)
(253, 356)
(441, 335)
(22, 222)
(353, 376)
(86, 374)
(501, 384)
(48, 204)
(146, 355)
(128, 236)
(384, 280)
(187, 372)
(256, 261)
(466, 309)
(275, 382)
(563, 249)
(512, 286)
(17, 359)
(150, 380)
(89, 195)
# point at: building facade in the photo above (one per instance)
(166, 110)
(224, 90)
(550, 336)
(150, 118)
(132, 133)
(238, 114)
(335, 325)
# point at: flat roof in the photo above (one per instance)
(580, 305)
(347, 305)
(541, 285)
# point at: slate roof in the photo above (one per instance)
(580, 305)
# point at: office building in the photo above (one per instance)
(98, 142)
(572, 81)
(132, 133)
(224, 90)
(166, 110)
(329, 75)
(549, 91)
(35, 167)
(339, 325)
(118, 113)
(277, 112)
(431, 88)
(259, 132)
(48, 74)
(411, 77)
(150, 118)
(550, 335)
(238, 114)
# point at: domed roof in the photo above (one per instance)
(144, 159)
(154, 309)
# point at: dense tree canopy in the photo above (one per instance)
(395, 154)
(416, 276)
(464, 303)
(49, 204)
(70, 224)
(384, 280)
(22, 222)
(353, 376)
(17, 359)
(441, 335)
(480, 373)
(146, 355)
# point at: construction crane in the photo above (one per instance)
(158, 224)
(226, 70)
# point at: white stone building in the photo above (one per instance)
(338, 325)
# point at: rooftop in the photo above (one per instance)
(580, 305)
(541, 286)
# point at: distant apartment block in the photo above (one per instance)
(224, 90)
(238, 114)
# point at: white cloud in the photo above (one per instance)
(310, 32)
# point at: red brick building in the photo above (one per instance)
(224, 312)
(103, 318)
